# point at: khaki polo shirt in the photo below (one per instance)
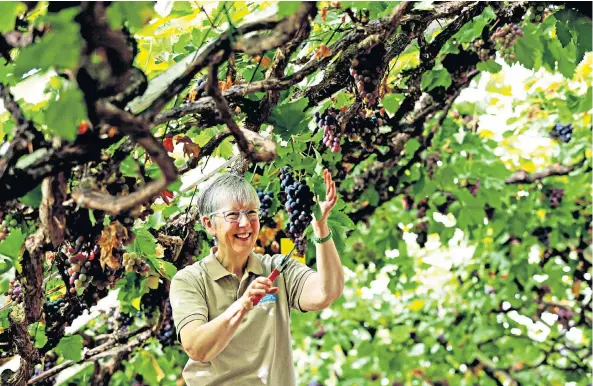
(260, 353)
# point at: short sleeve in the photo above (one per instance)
(188, 300)
(295, 276)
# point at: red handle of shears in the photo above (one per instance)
(272, 277)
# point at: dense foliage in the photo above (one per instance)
(464, 223)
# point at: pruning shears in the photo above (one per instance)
(279, 268)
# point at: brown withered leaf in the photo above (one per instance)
(322, 52)
(111, 238)
(191, 150)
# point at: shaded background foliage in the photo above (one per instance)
(464, 225)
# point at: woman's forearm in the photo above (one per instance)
(208, 340)
(329, 265)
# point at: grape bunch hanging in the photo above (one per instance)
(132, 262)
(367, 70)
(266, 200)
(8, 223)
(167, 334)
(299, 205)
(562, 132)
(328, 122)
(365, 129)
(15, 291)
(555, 196)
(505, 38)
(538, 12)
(49, 361)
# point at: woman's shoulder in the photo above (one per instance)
(193, 271)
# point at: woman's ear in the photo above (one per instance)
(209, 225)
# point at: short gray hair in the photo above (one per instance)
(226, 188)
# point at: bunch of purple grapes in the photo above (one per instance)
(15, 291)
(366, 70)
(299, 205)
(328, 122)
(505, 38)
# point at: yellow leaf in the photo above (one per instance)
(358, 292)
(527, 165)
(486, 134)
(136, 303)
(587, 120)
(416, 305)
(488, 240)
(588, 153)
(153, 282)
(541, 213)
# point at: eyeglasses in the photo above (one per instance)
(235, 215)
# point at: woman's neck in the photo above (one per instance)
(231, 262)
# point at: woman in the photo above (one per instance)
(228, 340)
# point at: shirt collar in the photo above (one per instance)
(217, 271)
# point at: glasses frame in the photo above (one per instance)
(241, 213)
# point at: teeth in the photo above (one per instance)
(243, 235)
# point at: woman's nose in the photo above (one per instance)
(243, 219)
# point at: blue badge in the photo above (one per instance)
(269, 298)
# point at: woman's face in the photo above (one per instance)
(236, 237)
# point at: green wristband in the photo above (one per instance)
(318, 240)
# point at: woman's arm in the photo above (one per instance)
(203, 342)
(327, 284)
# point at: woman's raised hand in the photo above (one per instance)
(331, 197)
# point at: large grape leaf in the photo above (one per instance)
(70, 347)
(288, 119)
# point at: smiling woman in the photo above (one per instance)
(229, 337)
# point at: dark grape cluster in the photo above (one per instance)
(562, 132)
(328, 122)
(367, 70)
(8, 223)
(167, 333)
(543, 235)
(365, 129)
(123, 321)
(132, 262)
(54, 310)
(538, 12)
(198, 90)
(15, 291)
(555, 196)
(266, 200)
(299, 205)
(49, 361)
(505, 38)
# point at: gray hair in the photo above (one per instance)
(226, 188)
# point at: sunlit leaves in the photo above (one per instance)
(59, 48)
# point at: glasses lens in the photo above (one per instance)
(235, 215)
(232, 216)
